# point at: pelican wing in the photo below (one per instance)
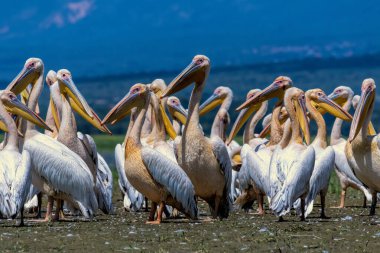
(258, 168)
(63, 170)
(341, 164)
(104, 180)
(320, 177)
(168, 174)
(221, 155)
(22, 181)
(275, 181)
(133, 200)
(90, 145)
(8, 162)
(299, 167)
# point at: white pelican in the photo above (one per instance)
(177, 112)
(15, 167)
(57, 171)
(82, 144)
(249, 191)
(160, 179)
(344, 96)
(292, 164)
(221, 96)
(257, 161)
(205, 160)
(317, 100)
(362, 150)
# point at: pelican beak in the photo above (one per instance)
(123, 108)
(25, 96)
(333, 108)
(22, 80)
(67, 87)
(301, 114)
(15, 106)
(178, 112)
(266, 131)
(371, 130)
(55, 113)
(337, 98)
(241, 119)
(168, 125)
(190, 74)
(4, 128)
(210, 104)
(366, 101)
(272, 91)
(79, 103)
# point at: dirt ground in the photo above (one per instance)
(348, 230)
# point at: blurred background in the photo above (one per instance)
(110, 45)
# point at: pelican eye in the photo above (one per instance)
(199, 61)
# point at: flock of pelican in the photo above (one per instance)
(171, 162)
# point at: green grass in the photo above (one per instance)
(107, 143)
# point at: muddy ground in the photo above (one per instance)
(348, 230)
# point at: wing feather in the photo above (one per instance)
(168, 174)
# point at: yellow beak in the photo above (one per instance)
(333, 108)
(366, 101)
(301, 114)
(212, 102)
(79, 104)
(16, 107)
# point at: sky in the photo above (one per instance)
(105, 37)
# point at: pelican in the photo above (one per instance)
(222, 96)
(132, 199)
(205, 160)
(249, 138)
(257, 162)
(177, 112)
(292, 164)
(317, 100)
(362, 150)
(57, 171)
(344, 96)
(15, 167)
(154, 175)
(82, 144)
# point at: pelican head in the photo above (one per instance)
(158, 86)
(275, 89)
(176, 109)
(298, 106)
(136, 97)
(217, 98)
(321, 101)
(32, 69)
(341, 94)
(365, 105)
(14, 106)
(196, 72)
(51, 77)
(244, 115)
(69, 90)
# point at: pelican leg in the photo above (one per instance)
(260, 199)
(373, 204)
(49, 208)
(302, 209)
(21, 222)
(146, 204)
(342, 198)
(323, 204)
(39, 204)
(152, 211)
(159, 214)
(57, 210)
(216, 209)
(364, 202)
